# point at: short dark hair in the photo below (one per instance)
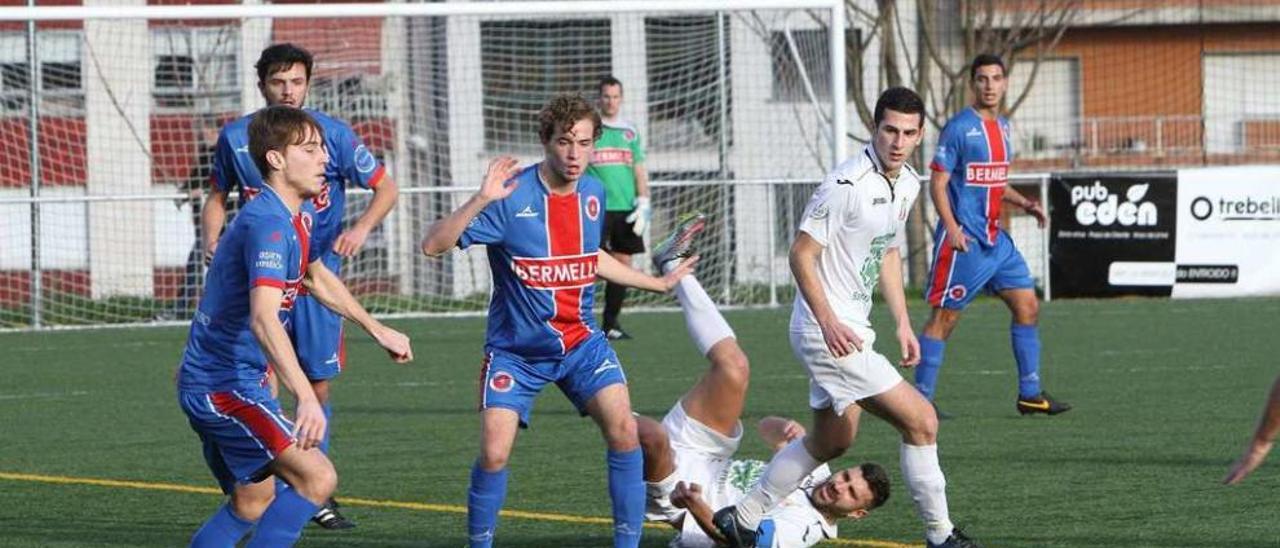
(563, 111)
(878, 480)
(986, 60)
(276, 127)
(899, 99)
(278, 57)
(609, 81)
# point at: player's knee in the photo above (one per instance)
(621, 434)
(1027, 312)
(250, 505)
(318, 483)
(922, 429)
(653, 439)
(493, 461)
(735, 369)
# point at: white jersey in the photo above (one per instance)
(794, 523)
(857, 213)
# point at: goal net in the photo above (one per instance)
(107, 117)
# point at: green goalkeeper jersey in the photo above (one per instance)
(617, 152)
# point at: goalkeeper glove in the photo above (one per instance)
(640, 217)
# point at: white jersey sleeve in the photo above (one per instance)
(796, 523)
(827, 210)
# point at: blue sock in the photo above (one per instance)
(484, 500)
(1026, 351)
(223, 529)
(626, 490)
(931, 350)
(282, 523)
(328, 427)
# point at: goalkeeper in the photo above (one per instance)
(618, 161)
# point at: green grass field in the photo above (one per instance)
(1166, 393)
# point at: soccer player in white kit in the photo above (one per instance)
(689, 467)
(848, 241)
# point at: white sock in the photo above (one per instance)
(928, 489)
(705, 323)
(781, 478)
(661, 489)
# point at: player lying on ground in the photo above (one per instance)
(689, 467)
(262, 261)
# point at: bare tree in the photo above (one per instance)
(950, 33)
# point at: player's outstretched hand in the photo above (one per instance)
(309, 424)
(498, 180)
(350, 241)
(840, 338)
(1253, 456)
(684, 268)
(910, 347)
(395, 343)
(958, 240)
(684, 494)
(1034, 209)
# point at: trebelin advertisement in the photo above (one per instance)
(1113, 234)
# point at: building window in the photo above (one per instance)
(1047, 123)
(1239, 117)
(683, 60)
(59, 82)
(195, 69)
(525, 63)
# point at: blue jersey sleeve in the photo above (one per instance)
(267, 254)
(353, 159)
(223, 171)
(950, 149)
(487, 228)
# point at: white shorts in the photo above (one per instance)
(840, 382)
(701, 455)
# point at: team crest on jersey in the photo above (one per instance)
(957, 292)
(322, 200)
(629, 135)
(365, 162)
(593, 208)
(249, 193)
(501, 382)
(306, 221)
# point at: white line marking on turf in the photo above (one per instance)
(353, 501)
(36, 395)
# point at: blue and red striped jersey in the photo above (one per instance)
(350, 162)
(268, 245)
(542, 252)
(976, 152)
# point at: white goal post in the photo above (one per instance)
(108, 105)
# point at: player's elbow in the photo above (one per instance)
(432, 248)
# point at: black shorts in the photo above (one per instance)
(616, 234)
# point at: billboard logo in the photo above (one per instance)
(1096, 205)
(1243, 209)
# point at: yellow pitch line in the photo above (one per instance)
(373, 503)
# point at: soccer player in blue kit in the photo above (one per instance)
(541, 226)
(265, 258)
(973, 253)
(284, 76)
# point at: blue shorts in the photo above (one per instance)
(242, 432)
(511, 382)
(956, 278)
(317, 338)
